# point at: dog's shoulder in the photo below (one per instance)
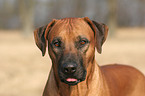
(119, 68)
(119, 76)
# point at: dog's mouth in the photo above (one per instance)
(71, 81)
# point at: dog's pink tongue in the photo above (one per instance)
(71, 79)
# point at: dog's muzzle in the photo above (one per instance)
(72, 73)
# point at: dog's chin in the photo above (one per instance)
(72, 83)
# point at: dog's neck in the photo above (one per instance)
(92, 85)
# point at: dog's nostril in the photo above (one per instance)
(66, 70)
(73, 69)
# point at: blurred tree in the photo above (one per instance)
(111, 11)
(6, 11)
(142, 11)
(112, 20)
(80, 7)
(26, 12)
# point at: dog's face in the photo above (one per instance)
(71, 46)
(71, 43)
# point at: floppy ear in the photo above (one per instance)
(40, 36)
(101, 32)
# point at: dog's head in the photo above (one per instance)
(71, 46)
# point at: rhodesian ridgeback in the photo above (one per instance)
(71, 45)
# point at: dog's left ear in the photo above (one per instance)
(40, 36)
(101, 32)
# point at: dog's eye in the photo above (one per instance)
(83, 42)
(57, 43)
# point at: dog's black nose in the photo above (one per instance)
(69, 68)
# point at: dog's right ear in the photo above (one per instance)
(40, 36)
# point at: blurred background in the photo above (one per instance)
(23, 70)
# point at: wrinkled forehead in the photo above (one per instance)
(71, 28)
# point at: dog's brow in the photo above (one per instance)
(80, 37)
(57, 38)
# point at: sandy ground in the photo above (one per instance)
(23, 71)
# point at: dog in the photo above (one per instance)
(71, 45)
